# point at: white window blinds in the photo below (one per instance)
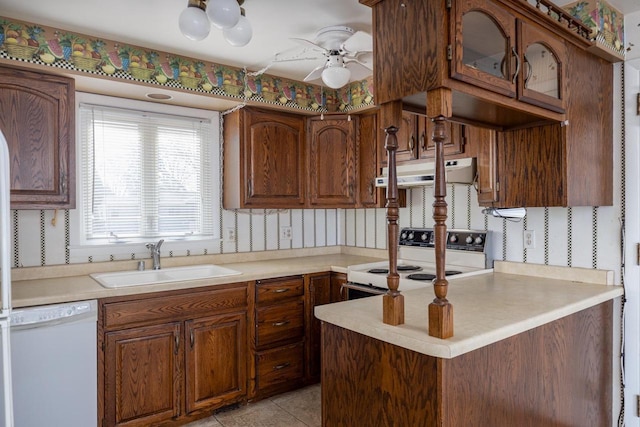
(145, 175)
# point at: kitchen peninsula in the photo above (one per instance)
(532, 346)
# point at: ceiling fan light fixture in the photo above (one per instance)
(193, 21)
(223, 14)
(335, 77)
(240, 34)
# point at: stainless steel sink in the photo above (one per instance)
(148, 277)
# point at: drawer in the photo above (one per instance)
(275, 290)
(173, 307)
(280, 322)
(279, 365)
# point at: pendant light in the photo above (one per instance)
(240, 34)
(193, 21)
(223, 13)
(196, 20)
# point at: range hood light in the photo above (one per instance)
(509, 213)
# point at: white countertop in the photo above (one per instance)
(39, 286)
(487, 307)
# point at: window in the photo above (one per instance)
(146, 175)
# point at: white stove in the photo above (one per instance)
(466, 254)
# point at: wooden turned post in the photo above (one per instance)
(440, 310)
(392, 301)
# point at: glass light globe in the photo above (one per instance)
(336, 77)
(223, 13)
(239, 35)
(194, 24)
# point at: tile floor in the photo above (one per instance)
(300, 408)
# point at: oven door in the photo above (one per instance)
(357, 290)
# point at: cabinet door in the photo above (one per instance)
(332, 162)
(454, 143)
(337, 292)
(319, 286)
(37, 119)
(484, 52)
(274, 160)
(142, 375)
(215, 361)
(487, 164)
(368, 160)
(542, 76)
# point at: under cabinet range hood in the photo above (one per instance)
(460, 171)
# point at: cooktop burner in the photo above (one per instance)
(409, 268)
(421, 276)
(378, 271)
(429, 276)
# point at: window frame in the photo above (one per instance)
(78, 242)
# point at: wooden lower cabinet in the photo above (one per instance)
(171, 357)
(215, 347)
(142, 372)
(278, 336)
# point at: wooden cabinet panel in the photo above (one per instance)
(368, 169)
(486, 144)
(337, 292)
(280, 322)
(319, 286)
(170, 307)
(280, 365)
(280, 289)
(37, 116)
(142, 371)
(332, 162)
(454, 144)
(215, 360)
(264, 159)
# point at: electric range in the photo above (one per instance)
(466, 255)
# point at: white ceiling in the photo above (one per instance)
(154, 24)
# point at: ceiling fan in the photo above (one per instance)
(345, 50)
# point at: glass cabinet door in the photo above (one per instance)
(484, 47)
(542, 71)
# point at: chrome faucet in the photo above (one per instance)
(154, 248)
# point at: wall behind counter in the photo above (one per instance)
(586, 237)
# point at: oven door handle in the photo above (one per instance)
(368, 289)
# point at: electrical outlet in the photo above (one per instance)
(285, 233)
(230, 235)
(529, 239)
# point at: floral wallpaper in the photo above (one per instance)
(32, 43)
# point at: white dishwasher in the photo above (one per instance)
(54, 365)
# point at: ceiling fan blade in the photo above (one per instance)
(359, 42)
(309, 44)
(356, 62)
(357, 67)
(315, 74)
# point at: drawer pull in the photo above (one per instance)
(282, 366)
(285, 322)
(281, 290)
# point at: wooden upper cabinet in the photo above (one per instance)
(332, 162)
(484, 37)
(368, 168)
(37, 118)
(454, 144)
(264, 159)
(542, 79)
(498, 52)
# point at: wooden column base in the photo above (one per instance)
(441, 320)
(393, 309)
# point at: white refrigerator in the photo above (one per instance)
(6, 402)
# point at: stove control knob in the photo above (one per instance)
(453, 238)
(411, 235)
(469, 240)
(403, 235)
(479, 240)
(425, 237)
